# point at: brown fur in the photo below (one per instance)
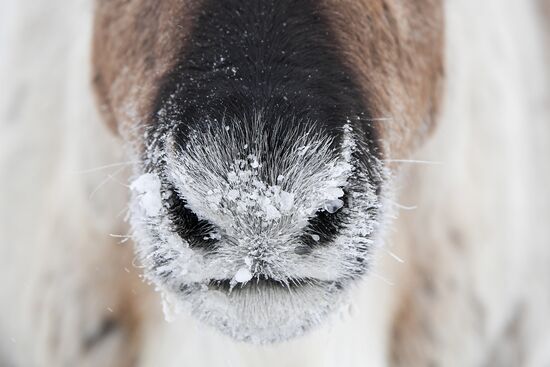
(135, 43)
(396, 50)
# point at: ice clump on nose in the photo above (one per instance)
(147, 186)
(333, 203)
(287, 201)
(332, 206)
(245, 192)
(243, 275)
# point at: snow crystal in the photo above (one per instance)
(243, 275)
(271, 212)
(332, 206)
(254, 163)
(334, 193)
(232, 177)
(147, 186)
(287, 201)
(232, 195)
(214, 198)
(333, 203)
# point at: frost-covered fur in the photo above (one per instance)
(259, 204)
(473, 288)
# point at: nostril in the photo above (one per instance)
(324, 226)
(197, 232)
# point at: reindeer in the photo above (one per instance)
(298, 183)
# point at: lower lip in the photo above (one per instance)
(262, 283)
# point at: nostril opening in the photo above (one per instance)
(197, 232)
(324, 226)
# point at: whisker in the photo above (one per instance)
(124, 237)
(397, 258)
(135, 263)
(124, 210)
(385, 280)
(121, 183)
(382, 119)
(127, 216)
(412, 161)
(107, 166)
(104, 181)
(373, 120)
(404, 207)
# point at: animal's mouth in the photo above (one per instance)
(264, 283)
(262, 310)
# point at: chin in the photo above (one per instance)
(262, 311)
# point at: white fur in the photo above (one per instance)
(491, 188)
